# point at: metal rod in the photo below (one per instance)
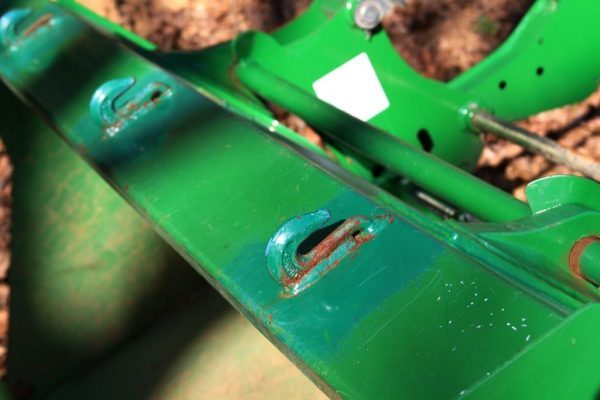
(486, 123)
(439, 178)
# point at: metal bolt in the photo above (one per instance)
(551, 150)
(369, 13)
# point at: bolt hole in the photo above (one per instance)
(502, 85)
(356, 234)
(425, 140)
(317, 237)
(155, 96)
(377, 171)
(539, 71)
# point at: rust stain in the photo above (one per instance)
(40, 22)
(350, 231)
(576, 252)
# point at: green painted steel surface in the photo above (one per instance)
(569, 353)
(88, 275)
(441, 179)
(544, 64)
(422, 301)
(589, 262)
(409, 94)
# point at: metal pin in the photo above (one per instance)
(486, 123)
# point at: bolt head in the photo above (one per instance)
(369, 14)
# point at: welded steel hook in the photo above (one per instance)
(103, 107)
(9, 23)
(282, 249)
(295, 271)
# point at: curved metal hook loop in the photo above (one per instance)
(103, 107)
(9, 24)
(283, 246)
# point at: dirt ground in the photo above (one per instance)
(439, 38)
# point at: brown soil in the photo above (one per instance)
(442, 38)
(576, 127)
(195, 24)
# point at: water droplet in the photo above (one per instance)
(514, 328)
(450, 322)
(502, 309)
(524, 325)
(478, 327)
(439, 298)
(527, 338)
(486, 299)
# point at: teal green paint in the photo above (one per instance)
(103, 105)
(445, 329)
(31, 55)
(296, 271)
(9, 24)
(283, 246)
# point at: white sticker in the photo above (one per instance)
(354, 88)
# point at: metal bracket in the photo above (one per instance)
(14, 27)
(295, 271)
(112, 110)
